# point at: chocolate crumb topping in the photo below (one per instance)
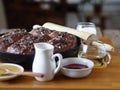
(22, 42)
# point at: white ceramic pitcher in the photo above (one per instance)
(44, 61)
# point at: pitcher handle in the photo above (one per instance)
(109, 58)
(59, 62)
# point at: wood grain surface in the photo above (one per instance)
(100, 79)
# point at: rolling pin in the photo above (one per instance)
(87, 37)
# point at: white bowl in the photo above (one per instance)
(12, 67)
(77, 73)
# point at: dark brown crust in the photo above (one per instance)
(22, 42)
(63, 42)
(9, 38)
(40, 31)
(25, 44)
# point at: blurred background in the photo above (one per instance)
(25, 13)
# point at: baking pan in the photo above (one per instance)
(26, 60)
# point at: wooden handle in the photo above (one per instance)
(26, 74)
(107, 46)
(87, 37)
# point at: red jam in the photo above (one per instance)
(75, 66)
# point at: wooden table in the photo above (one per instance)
(102, 79)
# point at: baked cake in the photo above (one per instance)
(9, 38)
(21, 41)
